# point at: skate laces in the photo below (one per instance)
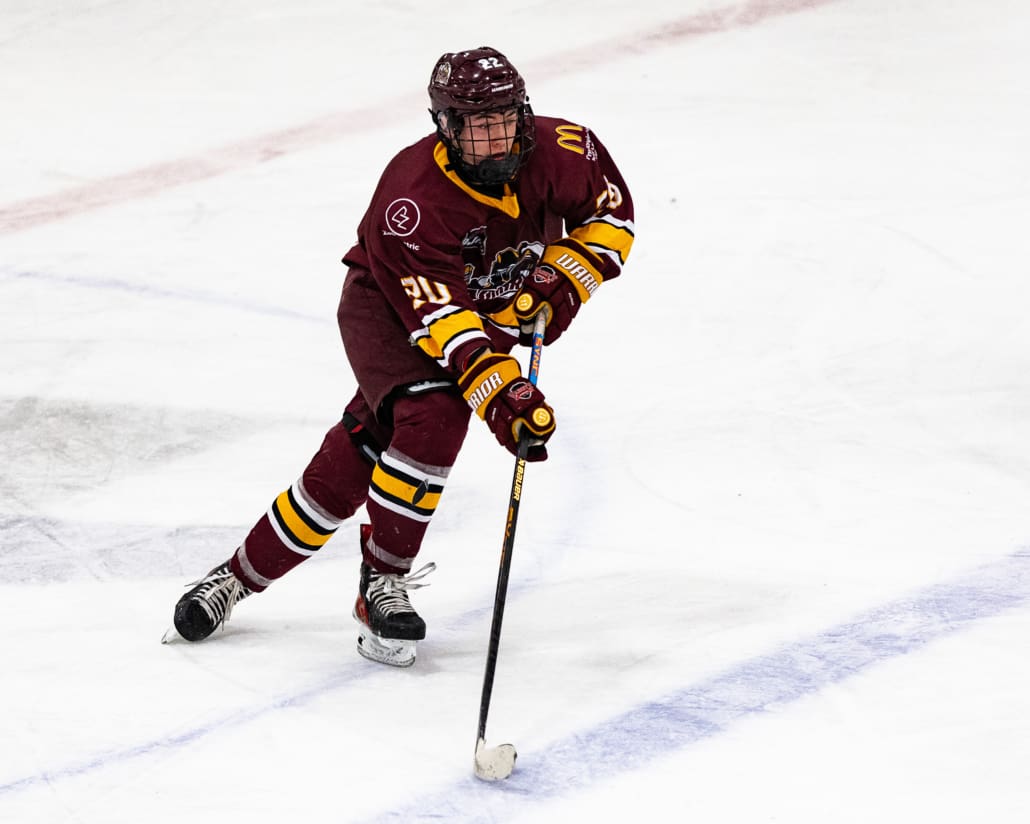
(219, 591)
(390, 591)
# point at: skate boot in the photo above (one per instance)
(209, 604)
(389, 625)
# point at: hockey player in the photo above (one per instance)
(471, 232)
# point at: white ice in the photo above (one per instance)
(775, 569)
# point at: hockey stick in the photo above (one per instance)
(495, 763)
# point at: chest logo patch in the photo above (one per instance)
(403, 216)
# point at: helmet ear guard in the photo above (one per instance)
(448, 124)
(480, 82)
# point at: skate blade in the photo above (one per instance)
(393, 652)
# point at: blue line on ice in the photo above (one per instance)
(670, 724)
(172, 742)
(666, 725)
(188, 295)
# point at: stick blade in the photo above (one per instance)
(494, 763)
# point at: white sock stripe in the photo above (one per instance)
(388, 557)
(317, 514)
(248, 567)
(424, 472)
(397, 508)
(300, 550)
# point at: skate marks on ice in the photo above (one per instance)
(672, 723)
(37, 550)
(53, 448)
(659, 727)
(162, 292)
(116, 757)
(55, 452)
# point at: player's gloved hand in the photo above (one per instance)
(545, 290)
(561, 282)
(494, 387)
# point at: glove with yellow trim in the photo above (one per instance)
(562, 281)
(495, 389)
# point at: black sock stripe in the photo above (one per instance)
(300, 513)
(289, 532)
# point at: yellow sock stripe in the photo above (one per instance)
(597, 233)
(297, 527)
(568, 258)
(487, 376)
(411, 493)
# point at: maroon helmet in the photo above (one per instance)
(481, 81)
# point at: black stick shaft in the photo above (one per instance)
(509, 542)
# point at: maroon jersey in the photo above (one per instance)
(449, 258)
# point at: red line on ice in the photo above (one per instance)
(160, 177)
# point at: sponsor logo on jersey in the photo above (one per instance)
(403, 216)
(570, 137)
(576, 139)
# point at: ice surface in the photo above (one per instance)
(776, 568)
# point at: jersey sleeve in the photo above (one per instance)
(594, 201)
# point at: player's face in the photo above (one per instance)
(488, 135)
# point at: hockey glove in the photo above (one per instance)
(511, 406)
(562, 281)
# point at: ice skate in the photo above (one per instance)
(207, 605)
(389, 625)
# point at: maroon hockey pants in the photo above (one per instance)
(401, 490)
